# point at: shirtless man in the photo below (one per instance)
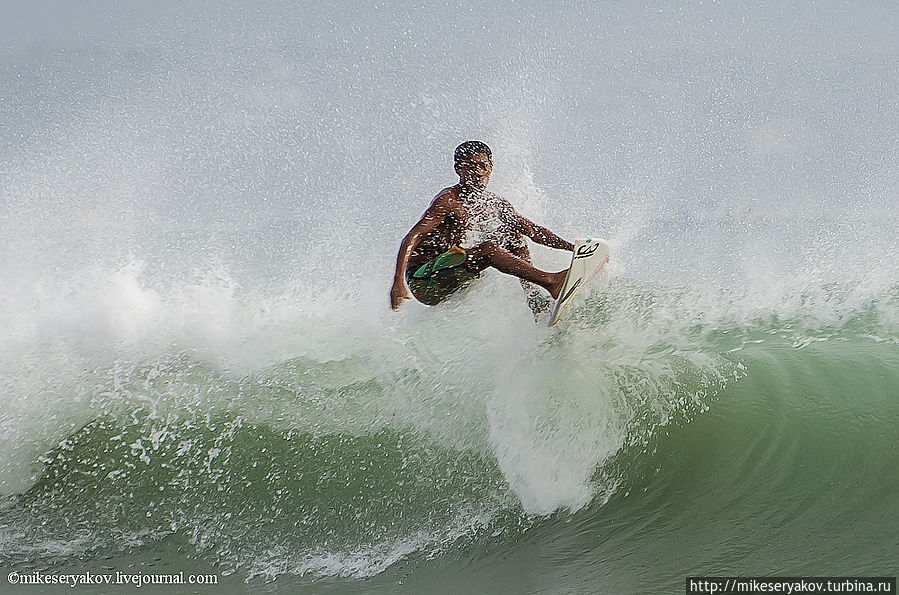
(467, 229)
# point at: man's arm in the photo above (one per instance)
(541, 235)
(433, 216)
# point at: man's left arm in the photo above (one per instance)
(543, 236)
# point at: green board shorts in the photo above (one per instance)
(436, 279)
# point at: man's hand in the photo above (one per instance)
(398, 294)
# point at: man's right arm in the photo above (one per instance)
(433, 216)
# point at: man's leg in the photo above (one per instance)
(490, 254)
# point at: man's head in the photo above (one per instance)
(474, 164)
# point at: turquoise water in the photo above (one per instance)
(199, 371)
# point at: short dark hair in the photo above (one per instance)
(469, 149)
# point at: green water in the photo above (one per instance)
(768, 455)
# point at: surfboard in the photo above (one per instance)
(588, 258)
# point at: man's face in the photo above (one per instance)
(474, 172)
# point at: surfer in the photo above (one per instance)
(467, 229)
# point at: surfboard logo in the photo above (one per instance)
(585, 251)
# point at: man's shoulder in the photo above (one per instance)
(446, 198)
(450, 192)
(499, 199)
(501, 204)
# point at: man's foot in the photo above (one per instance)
(539, 303)
(556, 283)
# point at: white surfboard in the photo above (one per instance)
(588, 258)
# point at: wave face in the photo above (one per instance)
(200, 211)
